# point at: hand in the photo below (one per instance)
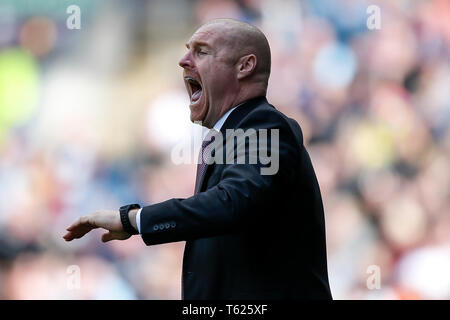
(109, 220)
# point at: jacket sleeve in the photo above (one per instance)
(229, 206)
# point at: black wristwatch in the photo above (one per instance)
(127, 226)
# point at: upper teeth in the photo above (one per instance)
(191, 80)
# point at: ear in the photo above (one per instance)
(246, 65)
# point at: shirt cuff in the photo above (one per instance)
(138, 220)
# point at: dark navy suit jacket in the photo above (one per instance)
(248, 235)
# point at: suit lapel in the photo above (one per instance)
(231, 123)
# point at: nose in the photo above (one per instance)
(185, 61)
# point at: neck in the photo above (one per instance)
(243, 95)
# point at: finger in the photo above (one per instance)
(68, 237)
(78, 222)
(73, 225)
(82, 221)
(80, 231)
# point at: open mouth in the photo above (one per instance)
(195, 89)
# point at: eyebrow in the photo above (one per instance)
(198, 44)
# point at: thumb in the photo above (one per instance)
(108, 236)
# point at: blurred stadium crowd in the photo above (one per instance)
(88, 119)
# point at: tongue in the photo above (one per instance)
(196, 95)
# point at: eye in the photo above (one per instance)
(201, 53)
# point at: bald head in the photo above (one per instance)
(245, 39)
(227, 63)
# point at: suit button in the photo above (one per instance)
(161, 226)
(173, 224)
(167, 225)
(155, 227)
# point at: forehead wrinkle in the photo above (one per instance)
(202, 35)
(197, 42)
(209, 33)
(225, 35)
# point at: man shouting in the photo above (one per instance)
(249, 235)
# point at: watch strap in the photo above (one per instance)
(125, 219)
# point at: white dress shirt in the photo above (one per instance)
(216, 127)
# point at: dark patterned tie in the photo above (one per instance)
(203, 158)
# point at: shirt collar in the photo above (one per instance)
(222, 120)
